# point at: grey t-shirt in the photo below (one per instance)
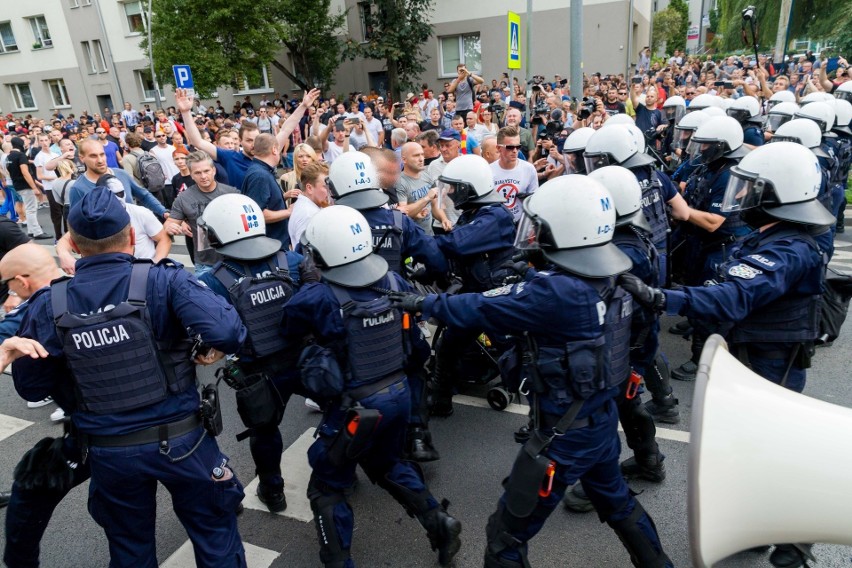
(464, 94)
(189, 205)
(409, 190)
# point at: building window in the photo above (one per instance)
(135, 17)
(99, 54)
(147, 86)
(58, 92)
(460, 49)
(365, 11)
(41, 34)
(73, 4)
(87, 54)
(86, 2)
(7, 38)
(257, 84)
(22, 96)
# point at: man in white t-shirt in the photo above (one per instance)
(374, 125)
(164, 152)
(47, 177)
(331, 150)
(511, 175)
(314, 197)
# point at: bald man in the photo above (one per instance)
(27, 269)
(489, 148)
(416, 188)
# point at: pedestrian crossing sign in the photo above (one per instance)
(514, 41)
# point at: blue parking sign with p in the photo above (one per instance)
(183, 78)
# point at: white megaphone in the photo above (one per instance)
(766, 465)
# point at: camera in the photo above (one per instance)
(748, 13)
(586, 107)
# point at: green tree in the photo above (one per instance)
(667, 29)
(396, 30)
(228, 40)
(678, 41)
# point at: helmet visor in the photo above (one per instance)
(204, 237)
(574, 163)
(746, 190)
(529, 230)
(794, 139)
(706, 152)
(843, 95)
(774, 120)
(674, 113)
(460, 192)
(597, 161)
(739, 114)
(681, 138)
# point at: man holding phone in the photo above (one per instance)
(463, 86)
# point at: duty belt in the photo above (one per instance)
(150, 435)
(364, 391)
(595, 417)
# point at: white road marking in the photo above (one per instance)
(297, 473)
(524, 410)
(9, 425)
(256, 557)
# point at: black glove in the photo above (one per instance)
(652, 298)
(517, 269)
(308, 271)
(406, 301)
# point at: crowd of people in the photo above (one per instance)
(325, 233)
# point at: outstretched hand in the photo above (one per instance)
(407, 301)
(652, 298)
(17, 347)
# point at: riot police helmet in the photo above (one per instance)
(686, 127)
(470, 182)
(779, 114)
(801, 131)
(353, 181)
(341, 243)
(745, 109)
(842, 116)
(614, 145)
(844, 91)
(626, 195)
(233, 225)
(820, 112)
(620, 118)
(704, 100)
(571, 219)
(783, 180)
(780, 97)
(674, 108)
(717, 138)
(815, 97)
(574, 147)
(712, 111)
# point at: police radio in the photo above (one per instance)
(211, 412)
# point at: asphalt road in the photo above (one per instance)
(477, 452)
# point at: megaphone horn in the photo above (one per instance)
(767, 465)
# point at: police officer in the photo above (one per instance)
(258, 279)
(842, 118)
(746, 111)
(354, 182)
(349, 316)
(674, 109)
(577, 364)
(823, 114)
(117, 347)
(683, 132)
(709, 233)
(770, 285)
(574, 147)
(614, 145)
(479, 248)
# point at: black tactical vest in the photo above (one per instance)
(387, 242)
(654, 208)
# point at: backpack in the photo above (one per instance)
(150, 172)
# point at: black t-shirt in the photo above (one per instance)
(147, 145)
(18, 160)
(615, 108)
(180, 182)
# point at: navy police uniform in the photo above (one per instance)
(657, 190)
(770, 289)
(590, 447)
(752, 135)
(260, 304)
(137, 407)
(396, 237)
(364, 332)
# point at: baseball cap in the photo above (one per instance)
(98, 215)
(450, 134)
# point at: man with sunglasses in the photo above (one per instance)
(513, 178)
(612, 104)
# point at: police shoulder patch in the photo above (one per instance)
(744, 271)
(501, 291)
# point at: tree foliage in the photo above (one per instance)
(668, 26)
(228, 40)
(396, 30)
(678, 41)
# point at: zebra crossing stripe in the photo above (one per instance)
(9, 426)
(256, 557)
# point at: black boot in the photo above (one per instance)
(494, 561)
(664, 410)
(443, 531)
(576, 499)
(420, 448)
(790, 555)
(683, 328)
(686, 372)
(649, 467)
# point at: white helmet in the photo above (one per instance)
(744, 109)
(571, 220)
(470, 182)
(637, 135)
(780, 97)
(717, 138)
(714, 111)
(626, 194)
(615, 145)
(686, 127)
(725, 104)
(674, 108)
(783, 179)
(703, 101)
(844, 91)
(233, 224)
(620, 118)
(353, 181)
(340, 240)
(815, 97)
(574, 147)
(842, 115)
(779, 114)
(820, 112)
(801, 131)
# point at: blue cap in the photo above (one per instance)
(450, 134)
(98, 215)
